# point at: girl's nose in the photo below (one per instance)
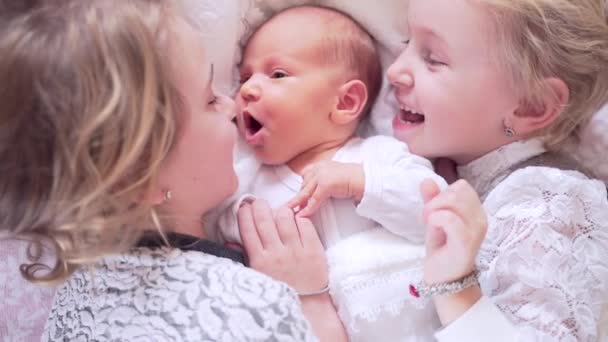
(400, 73)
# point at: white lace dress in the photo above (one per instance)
(24, 307)
(171, 295)
(544, 264)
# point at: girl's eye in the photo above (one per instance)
(278, 74)
(433, 62)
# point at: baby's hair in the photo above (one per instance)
(351, 46)
(348, 45)
(565, 39)
(87, 116)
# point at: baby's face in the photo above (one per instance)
(453, 95)
(287, 92)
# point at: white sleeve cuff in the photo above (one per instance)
(372, 193)
(482, 322)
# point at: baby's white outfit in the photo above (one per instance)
(374, 248)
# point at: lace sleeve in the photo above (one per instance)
(24, 306)
(545, 260)
(170, 295)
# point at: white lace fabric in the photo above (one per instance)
(369, 276)
(170, 295)
(544, 262)
(24, 307)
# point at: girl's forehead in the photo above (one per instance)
(459, 24)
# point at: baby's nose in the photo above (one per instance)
(250, 90)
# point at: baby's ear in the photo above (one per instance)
(352, 98)
(531, 118)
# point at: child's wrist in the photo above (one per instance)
(451, 307)
(314, 292)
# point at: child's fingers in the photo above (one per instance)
(287, 228)
(460, 198)
(249, 233)
(452, 227)
(264, 223)
(302, 197)
(429, 190)
(309, 171)
(318, 197)
(435, 238)
(308, 234)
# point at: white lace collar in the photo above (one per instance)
(484, 172)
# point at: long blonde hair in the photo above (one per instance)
(86, 117)
(565, 39)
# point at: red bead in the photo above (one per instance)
(414, 292)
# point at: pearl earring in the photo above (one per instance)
(167, 195)
(509, 132)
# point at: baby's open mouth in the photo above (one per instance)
(252, 126)
(411, 116)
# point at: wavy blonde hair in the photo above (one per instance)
(87, 116)
(565, 39)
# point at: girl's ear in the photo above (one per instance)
(529, 119)
(352, 98)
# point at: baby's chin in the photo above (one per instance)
(272, 159)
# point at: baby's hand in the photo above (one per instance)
(457, 226)
(284, 247)
(327, 179)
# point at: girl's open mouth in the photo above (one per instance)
(410, 116)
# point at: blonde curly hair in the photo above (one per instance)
(87, 116)
(565, 39)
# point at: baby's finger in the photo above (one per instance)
(308, 171)
(287, 228)
(249, 233)
(264, 222)
(302, 197)
(318, 197)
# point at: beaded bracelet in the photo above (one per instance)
(314, 293)
(425, 290)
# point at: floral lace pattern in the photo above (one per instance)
(24, 307)
(370, 288)
(170, 295)
(545, 259)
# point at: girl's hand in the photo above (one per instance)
(327, 179)
(457, 226)
(284, 247)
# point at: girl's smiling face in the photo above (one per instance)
(453, 94)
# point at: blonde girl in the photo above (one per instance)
(498, 86)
